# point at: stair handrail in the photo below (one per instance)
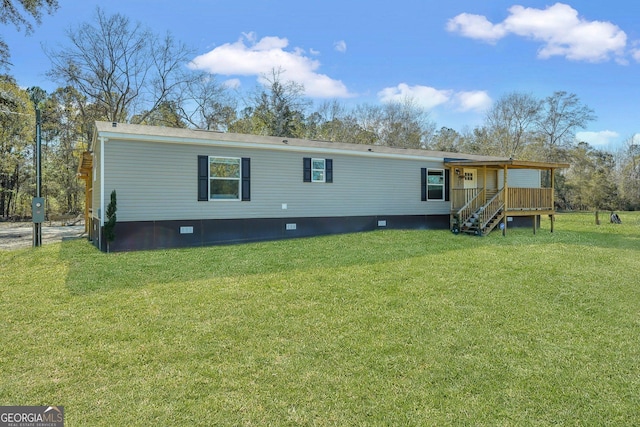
(465, 212)
(491, 208)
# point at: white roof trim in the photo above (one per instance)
(158, 134)
(254, 146)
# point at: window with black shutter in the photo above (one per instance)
(329, 170)
(435, 184)
(224, 178)
(447, 173)
(306, 169)
(317, 170)
(246, 179)
(203, 178)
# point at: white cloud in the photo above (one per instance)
(429, 98)
(635, 51)
(596, 139)
(477, 100)
(559, 28)
(476, 27)
(340, 46)
(252, 57)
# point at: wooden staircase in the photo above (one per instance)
(483, 219)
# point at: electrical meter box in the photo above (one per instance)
(37, 209)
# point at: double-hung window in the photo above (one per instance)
(435, 184)
(317, 170)
(224, 178)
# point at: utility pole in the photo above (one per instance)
(37, 205)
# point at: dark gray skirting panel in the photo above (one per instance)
(142, 235)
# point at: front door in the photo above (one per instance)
(470, 178)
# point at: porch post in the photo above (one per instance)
(451, 199)
(506, 201)
(553, 206)
(87, 200)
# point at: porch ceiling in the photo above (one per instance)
(511, 164)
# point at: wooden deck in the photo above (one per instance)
(479, 210)
(529, 200)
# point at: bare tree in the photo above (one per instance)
(167, 114)
(123, 69)
(561, 115)
(629, 173)
(371, 119)
(10, 12)
(395, 124)
(447, 139)
(205, 104)
(406, 125)
(332, 121)
(511, 122)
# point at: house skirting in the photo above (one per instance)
(143, 235)
(522, 221)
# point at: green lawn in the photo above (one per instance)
(381, 328)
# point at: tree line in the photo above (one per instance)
(115, 70)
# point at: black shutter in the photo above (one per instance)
(447, 172)
(203, 178)
(246, 179)
(306, 169)
(328, 164)
(423, 184)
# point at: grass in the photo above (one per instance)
(380, 328)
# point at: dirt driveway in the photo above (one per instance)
(16, 235)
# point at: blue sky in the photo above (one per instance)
(454, 58)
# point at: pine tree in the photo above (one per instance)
(110, 225)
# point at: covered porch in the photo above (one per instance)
(486, 194)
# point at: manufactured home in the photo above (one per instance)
(184, 187)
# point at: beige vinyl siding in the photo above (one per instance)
(158, 181)
(480, 178)
(521, 178)
(491, 179)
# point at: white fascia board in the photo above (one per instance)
(262, 146)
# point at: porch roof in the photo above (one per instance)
(85, 164)
(509, 163)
